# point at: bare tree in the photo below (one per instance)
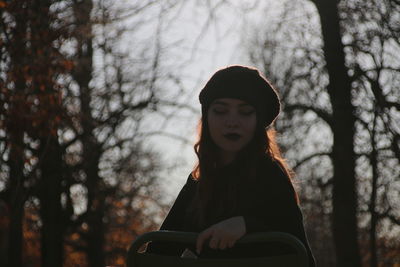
(72, 143)
(117, 90)
(341, 74)
(30, 115)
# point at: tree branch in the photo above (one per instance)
(320, 112)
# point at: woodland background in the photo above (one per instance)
(85, 84)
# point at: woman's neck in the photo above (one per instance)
(226, 157)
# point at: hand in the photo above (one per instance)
(223, 234)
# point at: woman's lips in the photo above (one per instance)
(232, 136)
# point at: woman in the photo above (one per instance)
(240, 184)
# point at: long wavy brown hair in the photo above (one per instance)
(261, 146)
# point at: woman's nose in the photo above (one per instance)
(232, 121)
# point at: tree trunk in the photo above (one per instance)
(344, 198)
(50, 204)
(16, 202)
(372, 204)
(91, 147)
(45, 127)
(15, 125)
(96, 209)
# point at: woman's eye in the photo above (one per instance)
(219, 111)
(247, 112)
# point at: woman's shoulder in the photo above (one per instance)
(268, 166)
(272, 173)
(191, 183)
(277, 180)
(191, 179)
(188, 190)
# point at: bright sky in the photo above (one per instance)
(216, 47)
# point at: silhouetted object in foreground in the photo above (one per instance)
(298, 258)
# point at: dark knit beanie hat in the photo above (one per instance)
(246, 84)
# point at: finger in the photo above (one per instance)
(227, 243)
(231, 243)
(214, 242)
(223, 244)
(201, 238)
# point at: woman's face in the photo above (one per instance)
(232, 123)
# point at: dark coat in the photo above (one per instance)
(267, 204)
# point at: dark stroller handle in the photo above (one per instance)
(190, 238)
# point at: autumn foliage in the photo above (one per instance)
(45, 177)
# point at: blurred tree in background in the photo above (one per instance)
(336, 64)
(75, 173)
(31, 114)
